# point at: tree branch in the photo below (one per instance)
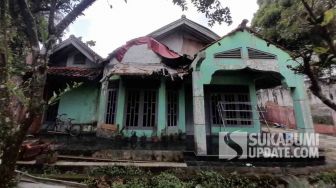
(51, 21)
(65, 22)
(309, 10)
(31, 27)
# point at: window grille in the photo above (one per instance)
(111, 106)
(257, 54)
(149, 108)
(215, 98)
(235, 108)
(234, 53)
(172, 108)
(141, 108)
(132, 111)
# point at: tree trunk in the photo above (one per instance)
(14, 127)
(11, 148)
(315, 85)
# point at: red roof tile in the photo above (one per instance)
(75, 72)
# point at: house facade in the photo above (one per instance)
(180, 78)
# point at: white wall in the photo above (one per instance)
(140, 54)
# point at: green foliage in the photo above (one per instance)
(329, 16)
(133, 183)
(213, 10)
(57, 95)
(50, 170)
(289, 23)
(214, 179)
(295, 182)
(323, 120)
(325, 177)
(114, 171)
(166, 180)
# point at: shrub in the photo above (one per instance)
(323, 120)
(115, 171)
(133, 183)
(165, 180)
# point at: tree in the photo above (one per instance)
(307, 28)
(28, 31)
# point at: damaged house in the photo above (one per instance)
(180, 78)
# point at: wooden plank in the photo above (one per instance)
(109, 127)
(43, 182)
(130, 163)
(126, 163)
(96, 159)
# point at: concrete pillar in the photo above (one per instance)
(102, 102)
(101, 112)
(199, 114)
(121, 97)
(255, 114)
(303, 118)
(181, 109)
(162, 105)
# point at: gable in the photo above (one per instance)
(74, 42)
(70, 56)
(182, 43)
(257, 54)
(187, 26)
(184, 36)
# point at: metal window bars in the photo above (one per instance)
(111, 106)
(239, 113)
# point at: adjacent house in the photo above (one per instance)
(180, 78)
(73, 61)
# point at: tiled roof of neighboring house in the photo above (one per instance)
(183, 23)
(77, 43)
(75, 72)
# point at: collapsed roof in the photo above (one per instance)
(145, 56)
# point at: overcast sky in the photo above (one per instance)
(111, 28)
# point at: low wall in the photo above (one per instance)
(325, 129)
(280, 114)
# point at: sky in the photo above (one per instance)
(113, 27)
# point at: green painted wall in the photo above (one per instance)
(81, 103)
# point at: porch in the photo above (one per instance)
(222, 70)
